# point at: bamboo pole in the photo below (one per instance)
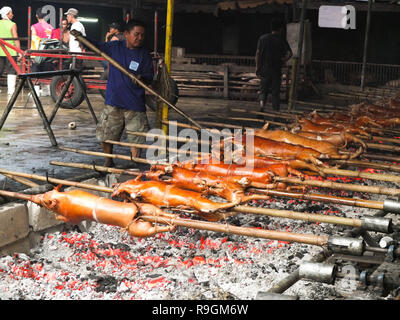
(22, 180)
(385, 139)
(340, 186)
(58, 181)
(87, 43)
(167, 137)
(288, 214)
(242, 209)
(15, 195)
(367, 164)
(383, 147)
(109, 155)
(241, 231)
(155, 147)
(353, 202)
(131, 172)
(381, 157)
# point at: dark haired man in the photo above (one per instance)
(125, 100)
(272, 51)
(114, 32)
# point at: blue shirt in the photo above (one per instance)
(121, 90)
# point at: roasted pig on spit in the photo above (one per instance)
(167, 195)
(76, 205)
(323, 147)
(231, 188)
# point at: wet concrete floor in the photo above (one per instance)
(26, 147)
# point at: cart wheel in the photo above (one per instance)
(74, 96)
(152, 101)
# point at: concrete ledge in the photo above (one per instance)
(14, 222)
(41, 218)
(20, 246)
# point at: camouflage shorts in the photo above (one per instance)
(113, 121)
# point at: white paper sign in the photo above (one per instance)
(343, 17)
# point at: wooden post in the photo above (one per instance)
(226, 81)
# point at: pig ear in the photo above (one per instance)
(58, 188)
(139, 177)
(50, 204)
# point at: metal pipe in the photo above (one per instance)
(366, 44)
(321, 272)
(168, 56)
(299, 50)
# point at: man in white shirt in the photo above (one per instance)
(72, 18)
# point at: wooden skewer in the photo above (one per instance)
(242, 231)
(367, 164)
(146, 146)
(22, 180)
(131, 172)
(385, 139)
(352, 202)
(243, 209)
(340, 186)
(166, 137)
(115, 156)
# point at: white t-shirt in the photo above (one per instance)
(73, 43)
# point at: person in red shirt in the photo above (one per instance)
(55, 34)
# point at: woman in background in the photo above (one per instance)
(8, 29)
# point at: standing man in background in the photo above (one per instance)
(72, 18)
(8, 29)
(125, 100)
(272, 52)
